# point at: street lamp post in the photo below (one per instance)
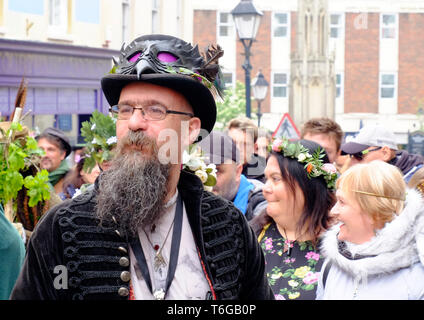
(246, 19)
(260, 88)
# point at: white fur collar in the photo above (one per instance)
(398, 245)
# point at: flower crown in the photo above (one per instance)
(100, 136)
(314, 165)
(193, 161)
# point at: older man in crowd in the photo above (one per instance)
(246, 194)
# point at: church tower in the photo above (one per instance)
(312, 80)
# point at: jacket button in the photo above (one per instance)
(122, 249)
(124, 262)
(125, 276)
(123, 292)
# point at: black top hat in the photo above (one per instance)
(173, 63)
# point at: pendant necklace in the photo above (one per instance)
(159, 260)
(289, 243)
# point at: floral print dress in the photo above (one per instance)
(294, 273)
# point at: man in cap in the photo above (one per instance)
(376, 142)
(246, 194)
(56, 147)
(149, 230)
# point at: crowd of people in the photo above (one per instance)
(315, 218)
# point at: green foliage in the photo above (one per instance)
(100, 136)
(234, 105)
(16, 156)
(38, 188)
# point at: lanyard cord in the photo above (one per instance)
(175, 248)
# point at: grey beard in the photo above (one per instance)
(134, 188)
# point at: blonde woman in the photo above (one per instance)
(376, 250)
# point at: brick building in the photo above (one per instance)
(377, 46)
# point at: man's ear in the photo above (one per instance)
(239, 170)
(62, 155)
(387, 154)
(193, 129)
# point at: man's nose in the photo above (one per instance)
(137, 121)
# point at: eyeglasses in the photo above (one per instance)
(152, 113)
(360, 155)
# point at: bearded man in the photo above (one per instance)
(149, 230)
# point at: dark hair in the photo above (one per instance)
(73, 179)
(318, 198)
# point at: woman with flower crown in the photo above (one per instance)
(299, 190)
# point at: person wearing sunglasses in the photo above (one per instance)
(376, 142)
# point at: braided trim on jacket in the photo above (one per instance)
(95, 256)
(224, 245)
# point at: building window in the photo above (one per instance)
(58, 15)
(87, 11)
(155, 16)
(31, 7)
(336, 26)
(339, 85)
(225, 24)
(64, 122)
(280, 25)
(279, 85)
(388, 26)
(125, 20)
(228, 79)
(387, 85)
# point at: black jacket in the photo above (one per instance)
(97, 261)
